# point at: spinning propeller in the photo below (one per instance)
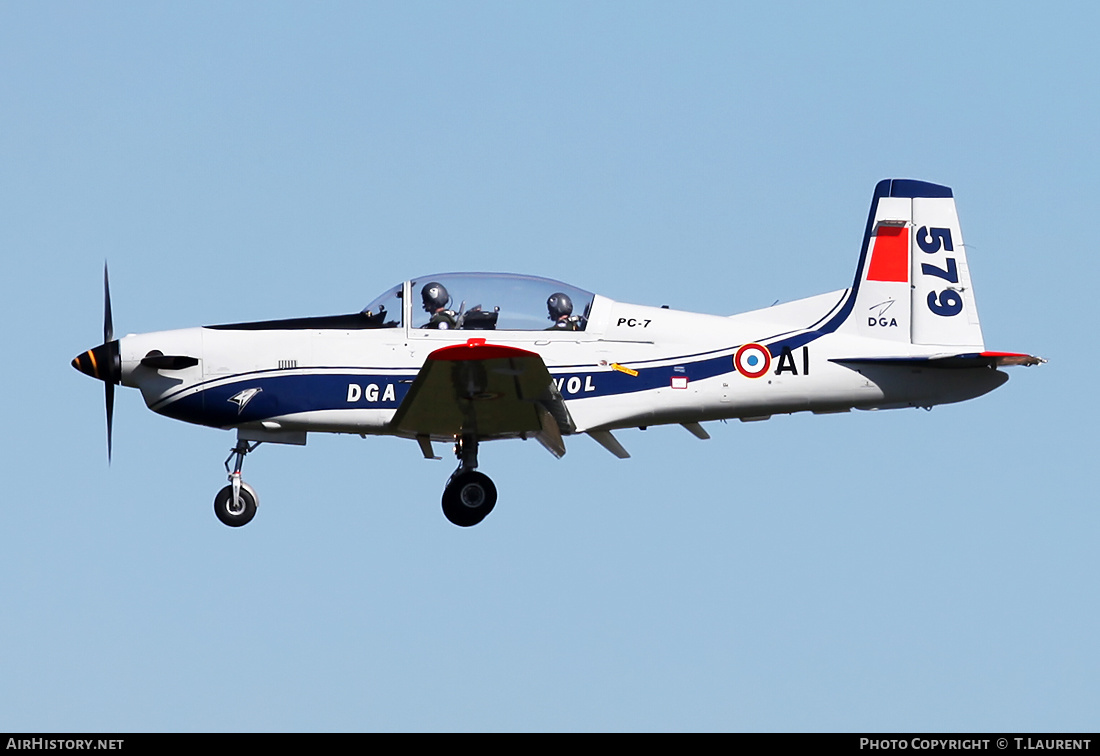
(103, 362)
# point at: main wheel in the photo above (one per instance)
(468, 498)
(243, 514)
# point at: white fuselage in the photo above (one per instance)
(633, 365)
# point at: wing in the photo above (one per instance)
(487, 391)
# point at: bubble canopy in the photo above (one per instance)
(482, 301)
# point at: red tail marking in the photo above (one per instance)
(890, 256)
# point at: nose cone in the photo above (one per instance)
(102, 362)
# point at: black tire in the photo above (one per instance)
(223, 504)
(469, 498)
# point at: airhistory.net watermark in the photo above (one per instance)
(64, 744)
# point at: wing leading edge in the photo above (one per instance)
(485, 391)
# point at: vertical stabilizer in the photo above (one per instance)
(913, 284)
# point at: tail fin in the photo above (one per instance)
(913, 284)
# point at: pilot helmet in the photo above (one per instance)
(435, 296)
(559, 305)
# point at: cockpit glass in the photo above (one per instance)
(385, 311)
(498, 301)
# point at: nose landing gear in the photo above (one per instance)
(235, 505)
(469, 496)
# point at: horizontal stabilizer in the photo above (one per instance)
(949, 361)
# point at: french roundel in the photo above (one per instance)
(752, 360)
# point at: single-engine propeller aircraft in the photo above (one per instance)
(463, 358)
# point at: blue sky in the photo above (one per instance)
(883, 571)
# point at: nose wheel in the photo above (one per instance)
(469, 496)
(239, 512)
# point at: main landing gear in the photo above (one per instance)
(235, 505)
(469, 496)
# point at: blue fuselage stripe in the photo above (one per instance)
(279, 394)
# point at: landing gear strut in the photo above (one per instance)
(235, 505)
(469, 496)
